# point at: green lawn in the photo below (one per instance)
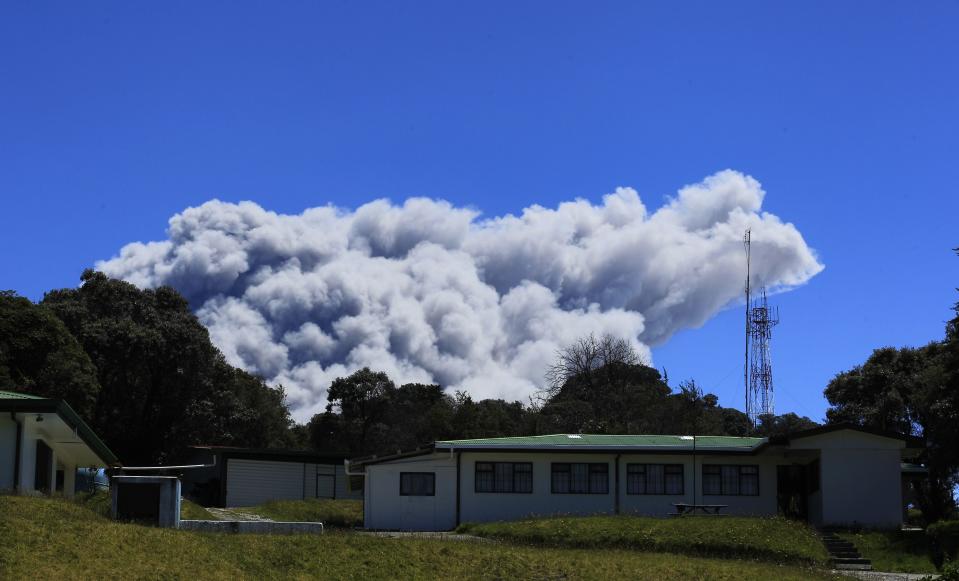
(332, 513)
(894, 551)
(767, 539)
(56, 539)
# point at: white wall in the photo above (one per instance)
(861, 478)
(815, 507)
(862, 487)
(860, 483)
(8, 450)
(28, 455)
(492, 506)
(384, 508)
(660, 505)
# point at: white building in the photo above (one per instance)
(834, 475)
(43, 442)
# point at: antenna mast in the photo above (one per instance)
(746, 242)
(758, 374)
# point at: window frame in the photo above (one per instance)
(492, 471)
(432, 476)
(646, 473)
(739, 477)
(591, 468)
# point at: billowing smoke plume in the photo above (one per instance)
(432, 293)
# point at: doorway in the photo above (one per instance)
(791, 492)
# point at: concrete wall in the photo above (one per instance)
(8, 451)
(384, 508)
(859, 484)
(492, 506)
(660, 505)
(861, 478)
(862, 487)
(28, 455)
(815, 507)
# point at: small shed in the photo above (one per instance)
(251, 476)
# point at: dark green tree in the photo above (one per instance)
(489, 418)
(419, 414)
(38, 354)
(909, 391)
(600, 385)
(772, 425)
(163, 384)
(362, 402)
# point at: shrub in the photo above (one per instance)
(949, 573)
(944, 536)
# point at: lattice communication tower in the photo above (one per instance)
(758, 371)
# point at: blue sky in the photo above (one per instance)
(116, 116)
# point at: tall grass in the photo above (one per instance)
(767, 539)
(56, 539)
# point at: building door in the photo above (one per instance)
(325, 486)
(42, 467)
(791, 494)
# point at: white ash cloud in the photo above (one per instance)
(433, 293)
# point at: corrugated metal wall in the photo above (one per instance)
(252, 482)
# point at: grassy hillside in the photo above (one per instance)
(99, 502)
(768, 539)
(56, 539)
(332, 513)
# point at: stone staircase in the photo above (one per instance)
(843, 554)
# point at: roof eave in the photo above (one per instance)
(596, 448)
(66, 412)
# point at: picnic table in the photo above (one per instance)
(684, 508)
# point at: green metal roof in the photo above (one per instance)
(609, 442)
(17, 395)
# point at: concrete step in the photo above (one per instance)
(845, 555)
(851, 561)
(840, 547)
(853, 567)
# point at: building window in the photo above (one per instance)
(580, 478)
(417, 484)
(730, 480)
(654, 479)
(504, 477)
